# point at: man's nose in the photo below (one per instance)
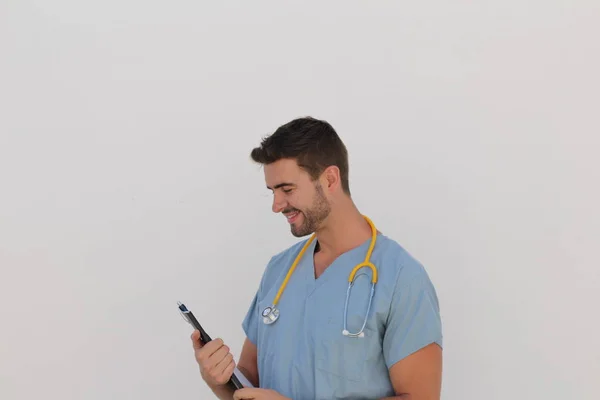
(278, 203)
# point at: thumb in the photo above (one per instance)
(196, 340)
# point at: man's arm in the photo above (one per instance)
(248, 362)
(412, 342)
(418, 376)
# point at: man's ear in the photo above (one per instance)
(332, 177)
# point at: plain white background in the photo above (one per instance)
(126, 184)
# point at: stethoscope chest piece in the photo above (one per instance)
(270, 315)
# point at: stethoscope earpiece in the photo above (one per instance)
(346, 333)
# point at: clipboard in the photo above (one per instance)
(237, 380)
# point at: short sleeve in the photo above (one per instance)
(414, 320)
(250, 323)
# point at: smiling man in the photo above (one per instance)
(308, 335)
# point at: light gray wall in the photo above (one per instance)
(125, 131)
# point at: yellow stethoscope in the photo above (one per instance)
(271, 313)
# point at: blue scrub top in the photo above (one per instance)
(303, 355)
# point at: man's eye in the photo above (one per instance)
(287, 190)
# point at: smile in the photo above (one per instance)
(291, 217)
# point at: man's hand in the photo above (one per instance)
(257, 394)
(215, 361)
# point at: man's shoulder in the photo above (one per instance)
(291, 251)
(396, 257)
(285, 255)
(281, 261)
(408, 278)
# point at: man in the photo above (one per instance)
(304, 354)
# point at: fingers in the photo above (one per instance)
(215, 360)
(227, 372)
(243, 394)
(221, 365)
(251, 393)
(213, 353)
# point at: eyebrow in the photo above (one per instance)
(280, 185)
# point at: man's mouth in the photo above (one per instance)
(292, 216)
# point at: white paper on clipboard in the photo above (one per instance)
(243, 380)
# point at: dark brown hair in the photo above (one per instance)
(313, 143)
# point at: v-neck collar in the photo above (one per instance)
(309, 262)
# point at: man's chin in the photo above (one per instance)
(299, 232)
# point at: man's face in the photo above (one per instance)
(300, 199)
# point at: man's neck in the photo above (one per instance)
(343, 231)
